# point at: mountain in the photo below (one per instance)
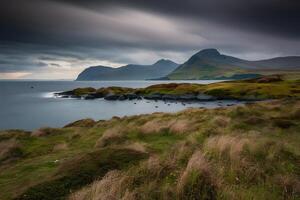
(129, 72)
(211, 64)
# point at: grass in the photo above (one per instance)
(81, 171)
(249, 151)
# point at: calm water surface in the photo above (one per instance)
(24, 107)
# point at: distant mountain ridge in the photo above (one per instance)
(128, 72)
(211, 64)
(205, 64)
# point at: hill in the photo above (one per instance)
(211, 64)
(129, 72)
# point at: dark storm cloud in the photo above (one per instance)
(272, 16)
(41, 34)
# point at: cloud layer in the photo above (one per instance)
(57, 39)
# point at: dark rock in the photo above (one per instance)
(112, 97)
(155, 96)
(66, 93)
(204, 97)
(187, 97)
(132, 96)
(283, 123)
(122, 97)
(169, 97)
(98, 95)
(89, 97)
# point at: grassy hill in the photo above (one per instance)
(210, 64)
(240, 152)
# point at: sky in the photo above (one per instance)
(57, 39)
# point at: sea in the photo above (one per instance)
(31, 104)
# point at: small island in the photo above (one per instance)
(262, 88)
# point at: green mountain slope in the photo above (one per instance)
(210, 64)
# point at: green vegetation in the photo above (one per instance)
(242, 152)
(267, 87)
(210, 64)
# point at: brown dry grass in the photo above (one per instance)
(221, 121)
(182, 126)
(8, 149)
(136, 146)
(198, 163)
(82, 123)
(225, 143)
(177, 126)
(45, 131)
(112, 135)
(153, 163)
(113, 186)
(290, 185)
(154, 126)
(60, 147)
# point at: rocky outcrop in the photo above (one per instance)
(182, 97)
(112, 97)
(155, 96)
(134, 96)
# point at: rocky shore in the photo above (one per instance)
(263, 88)
(133, 96)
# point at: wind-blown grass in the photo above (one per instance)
(249, 151)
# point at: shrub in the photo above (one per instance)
(112, 186)
(196, 181)
(10, 149)
(283, 123)
(113, 135)
(45, 132)
(82, 123)
(60, 147)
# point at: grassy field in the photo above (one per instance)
(250, 151)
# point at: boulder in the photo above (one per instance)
(155, 96)
(187, 97)
(112, 97)
(205, 97)
(122, 97)
(170, 97)
(89, 97)
(132, 96)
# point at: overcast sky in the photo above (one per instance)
(56, 39)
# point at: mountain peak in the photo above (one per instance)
(208, 53)
(164, 62)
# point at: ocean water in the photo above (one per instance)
(30, 105)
